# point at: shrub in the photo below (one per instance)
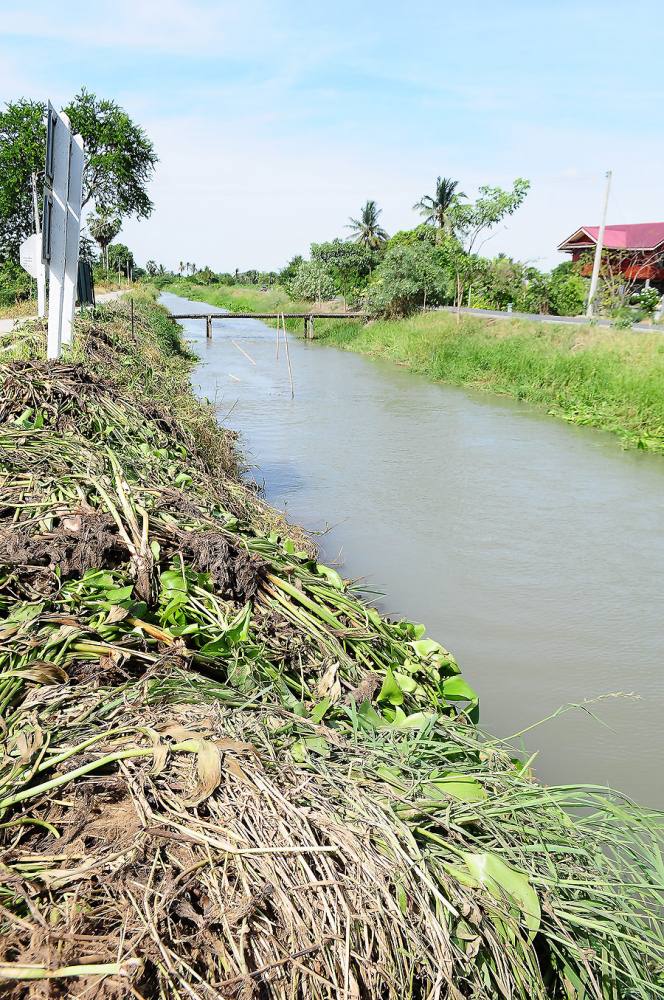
(410, 277)
(312, 282)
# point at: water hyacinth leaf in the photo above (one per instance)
(390, 690)
(172, 579)
(501, 880)
(459, 786)
(119, 594)
(427, 647)
(457, 689)
(331, 576)
(407, 684)
(418, 720)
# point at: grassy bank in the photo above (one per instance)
(611, 380)
(223, 774)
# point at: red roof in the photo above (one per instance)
(637, 236)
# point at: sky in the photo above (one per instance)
(275, 121)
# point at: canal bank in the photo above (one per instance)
(532, 548)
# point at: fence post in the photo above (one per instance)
(208, 327)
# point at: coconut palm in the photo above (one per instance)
(366, 229)
(435, 207)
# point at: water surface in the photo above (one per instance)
(533, 549)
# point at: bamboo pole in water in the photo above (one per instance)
(290, 371)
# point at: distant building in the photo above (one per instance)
(637, 251)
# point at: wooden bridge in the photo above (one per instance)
(307, 317)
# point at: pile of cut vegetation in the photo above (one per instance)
(223, 773)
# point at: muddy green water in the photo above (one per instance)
(533, 550)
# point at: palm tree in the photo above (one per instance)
(181, 268)
(435, 207)
(366, 229)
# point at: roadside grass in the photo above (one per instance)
(612, 380)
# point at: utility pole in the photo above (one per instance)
(598, 248)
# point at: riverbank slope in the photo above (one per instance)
(226, 770)
(608, 379)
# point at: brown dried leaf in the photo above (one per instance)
(208, 766)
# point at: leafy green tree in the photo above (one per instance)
(409, 278)
(423, 233)
(22, 150)
(435, 207)
(350, 264)
(567, 290)
(469, 221)
(151, 268)
(120, 258)
(104, 227)
(313, 282)
(119, 162)
(367, 230)
(119, 158)
(15, 283)
(287, 273)
(206, 276)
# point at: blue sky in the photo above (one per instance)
(275, 121)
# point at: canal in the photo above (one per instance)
(532, 549)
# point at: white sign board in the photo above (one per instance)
(30, 255)
(59, 161)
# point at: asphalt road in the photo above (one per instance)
(539, 318)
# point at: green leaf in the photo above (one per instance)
(459, 786)
(173, 579)
(407, 684)
(502, 882)
(119, 594)
(319, 710)
(331, 576)
(457, 689)
(390, 691)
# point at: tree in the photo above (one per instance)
(367, 230)
(313, 281)
(120, 258)
(287, 274)
(435, 207)
(104, 227)
(180, 268)
(471, 220)
(408, 278)
(119, 163)
(349, 264)
(119, 157)
(151, 268)
(22, 150)
(568, 291)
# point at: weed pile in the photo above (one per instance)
(223, 773)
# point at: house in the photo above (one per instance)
(635, 250)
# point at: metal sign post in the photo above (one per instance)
(57, 163)
(61, 229)
(73, 234)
